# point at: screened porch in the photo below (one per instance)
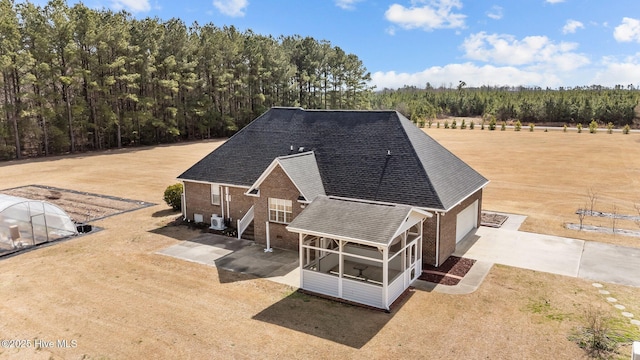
(363, 269)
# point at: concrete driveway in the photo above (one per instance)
(553, 254)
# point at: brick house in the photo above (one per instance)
(365, 197)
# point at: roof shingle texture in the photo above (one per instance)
(370, 155)
(303, 171)
(350, 219)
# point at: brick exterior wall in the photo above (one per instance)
(276, 185)
(429, 240)
(239, 204)
(198, 198)
(447, 231)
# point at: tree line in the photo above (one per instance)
(580, 105)
(78, 79)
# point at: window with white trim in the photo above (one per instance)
(215, 194)
(280, 210)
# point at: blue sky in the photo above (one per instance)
(547, 43)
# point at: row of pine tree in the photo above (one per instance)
(78, 79)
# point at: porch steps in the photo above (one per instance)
(248, 233)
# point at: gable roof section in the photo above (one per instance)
(370, 155)
(370, 223)
(303, 171)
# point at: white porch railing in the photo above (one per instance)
(245, 221)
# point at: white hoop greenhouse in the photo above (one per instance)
(25, 222)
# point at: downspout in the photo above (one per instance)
(437, 240)
(184, 201)
(226, 198)
(221, 202)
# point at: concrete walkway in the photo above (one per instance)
(553, 254)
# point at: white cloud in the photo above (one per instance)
(495, 13)
(347, 4)
(534, 51)
(571, 26)
(470, 73)
(233, 8)
(554, 1)
(628, 31)
(623, 72)
(131, 5)
(427, 15)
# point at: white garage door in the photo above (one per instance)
(466, 221)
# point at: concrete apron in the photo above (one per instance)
(553, 254)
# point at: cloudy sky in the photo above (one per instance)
(547, 43)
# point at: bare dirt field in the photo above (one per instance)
(112, 297)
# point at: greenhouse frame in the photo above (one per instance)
(26, 222)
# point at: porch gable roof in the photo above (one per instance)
(362, 222)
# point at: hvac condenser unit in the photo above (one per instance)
(217, 222)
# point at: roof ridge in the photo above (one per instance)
(304, 153)
(417, 156)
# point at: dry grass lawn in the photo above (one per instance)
(111, 293)
(547, 175)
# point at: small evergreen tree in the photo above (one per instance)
(446, 124)
(463, 125)
(579, 127)
(453, 124)
(593, 127)
(438, 125)
(564, 128)
(503, 127)
(492, 123)
(472, 125)
(531, 126)
(610, 128)
(625, 129)
(518, 126)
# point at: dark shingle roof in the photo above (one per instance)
(352, 220)
(371, 155)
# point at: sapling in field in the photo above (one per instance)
(517, 126)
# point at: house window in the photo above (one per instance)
(215, 194)
(280, 210)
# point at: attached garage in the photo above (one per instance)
(466, 221)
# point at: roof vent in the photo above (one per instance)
(388, 152)
(301, 149)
